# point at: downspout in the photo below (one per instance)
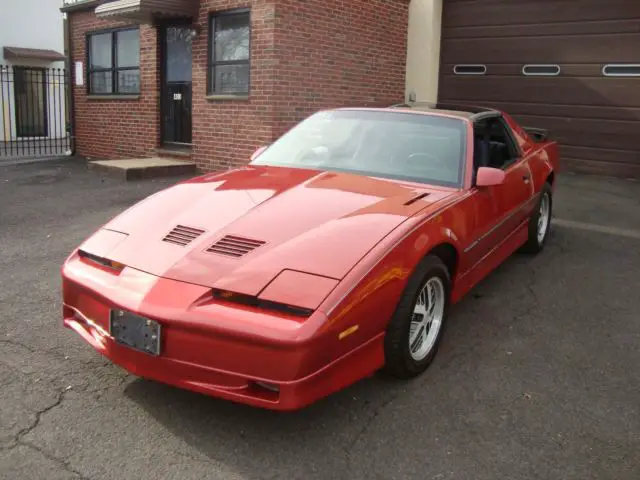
(70, 70)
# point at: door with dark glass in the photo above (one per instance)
(31, 102)
(176, 86)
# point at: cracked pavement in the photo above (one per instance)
(538, 376)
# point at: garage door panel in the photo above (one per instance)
(601, 155)
(619, 48)
(602, 134)
(569, 111)
(501, 12)
(588, 126)
(587, 91)
(595, 118)
(515, 69)
(593, 167)
(507, 31)
(591, 139)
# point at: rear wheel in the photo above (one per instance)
(415, 330)
(540, 222)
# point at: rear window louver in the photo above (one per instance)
(182, 235)
(233, 246)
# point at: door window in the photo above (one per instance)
(31, 102)
(493, 145)
(176, 88)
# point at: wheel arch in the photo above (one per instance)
(448, 253)
(551, 178)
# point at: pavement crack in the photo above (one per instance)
(65, 464)
(16, 343)
(376, 413)
(533, 300)
(38, 416)
(19, 439)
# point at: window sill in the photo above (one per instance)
(227, 97)
(113, 97)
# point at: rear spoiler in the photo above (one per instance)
(538, 134)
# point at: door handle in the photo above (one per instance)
(526, 178)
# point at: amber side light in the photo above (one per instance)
(257, 303)
(105, 262)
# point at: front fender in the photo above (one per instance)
(367, 298)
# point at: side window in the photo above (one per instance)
(493, 144)
(480, 144)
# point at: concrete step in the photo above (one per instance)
(177, 153)
(142, 168)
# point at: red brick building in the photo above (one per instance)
(230, 77)
(214, 79)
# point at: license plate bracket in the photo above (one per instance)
(136, 332)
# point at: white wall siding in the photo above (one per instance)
(31, 24)
(423, 49)
(36, 24)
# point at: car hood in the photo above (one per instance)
(269, 218)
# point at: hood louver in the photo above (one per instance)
(233, 246)
(182, 235)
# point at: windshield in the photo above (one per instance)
(388, 144)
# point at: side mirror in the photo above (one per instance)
(257, 153)
(488, 177)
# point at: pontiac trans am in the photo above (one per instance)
(334, 253)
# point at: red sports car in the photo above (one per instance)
(334, 253)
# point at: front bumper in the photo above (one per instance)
(253, 358)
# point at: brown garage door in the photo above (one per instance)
(570, 66)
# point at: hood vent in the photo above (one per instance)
(182, 235)
(233, 246)
(416, 198)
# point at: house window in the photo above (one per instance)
(114, 62)
(229, 48)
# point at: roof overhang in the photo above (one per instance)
(69, 6)
(11, 53)
(146, 11)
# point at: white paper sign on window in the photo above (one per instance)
(79, 74)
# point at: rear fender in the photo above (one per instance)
(543, 163)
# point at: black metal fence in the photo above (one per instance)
(35, 112)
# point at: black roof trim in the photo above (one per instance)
(477, 112)
(488, 114)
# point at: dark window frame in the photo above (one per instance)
(484, 126)
(212, 63)
(22, 82)
(114, 70)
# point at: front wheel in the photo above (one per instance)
(540, 222)
(415, 330)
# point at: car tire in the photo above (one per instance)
(401, 361)
(539, 227)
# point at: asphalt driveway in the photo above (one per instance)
(538, 376)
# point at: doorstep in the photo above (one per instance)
(142, 168)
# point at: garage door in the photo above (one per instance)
(570, 66)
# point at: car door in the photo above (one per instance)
(500, 209)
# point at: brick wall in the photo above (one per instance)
(116, 128)
(335, 53)
(226, 132)
(305, 55)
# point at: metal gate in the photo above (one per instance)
(35, 112)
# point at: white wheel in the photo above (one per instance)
(415, 331)
(543, 216)
(540, 222)
(426, 320)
